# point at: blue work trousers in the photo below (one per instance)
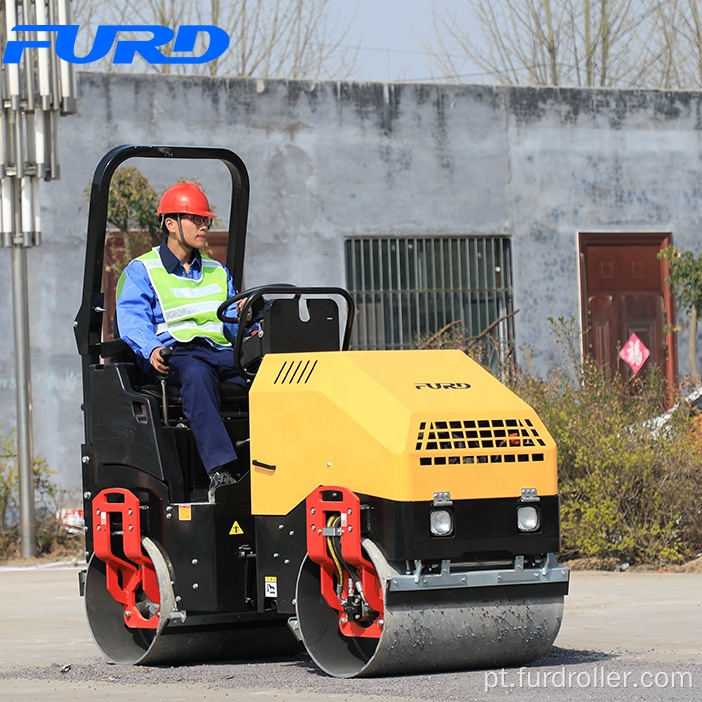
(198, 368)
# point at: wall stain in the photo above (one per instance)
(570, 106)
(440, 132)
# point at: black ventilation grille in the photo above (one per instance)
(466, 440)
(295, 372)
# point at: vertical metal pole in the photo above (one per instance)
(32, 99)
(24, 399)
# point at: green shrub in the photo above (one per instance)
(628, 490)
(50, 537)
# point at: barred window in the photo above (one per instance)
(407, 289)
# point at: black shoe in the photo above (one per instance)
(218, 478)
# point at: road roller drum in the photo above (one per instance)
(449, 629)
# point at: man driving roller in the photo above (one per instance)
(168, 298)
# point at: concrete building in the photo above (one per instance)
(431, 202)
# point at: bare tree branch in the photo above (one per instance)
(595, 43)
(471, 339)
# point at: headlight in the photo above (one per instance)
(527, 518)
(441, 522)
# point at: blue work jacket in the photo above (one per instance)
(139, 311)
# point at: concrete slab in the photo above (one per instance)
(657, 616)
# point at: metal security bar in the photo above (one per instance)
(407, 289)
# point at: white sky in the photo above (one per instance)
(390, 34)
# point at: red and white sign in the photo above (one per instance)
(634, 353)
(72, 520)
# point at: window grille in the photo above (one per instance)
(407, 289)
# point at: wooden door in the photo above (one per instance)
(624, 291)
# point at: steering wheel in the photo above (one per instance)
(244, 362)
(253, 311)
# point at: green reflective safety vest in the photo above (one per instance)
(189, 306)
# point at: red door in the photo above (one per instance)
(624, 291)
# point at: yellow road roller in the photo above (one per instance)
(398, 512)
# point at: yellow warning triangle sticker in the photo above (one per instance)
(236, 529)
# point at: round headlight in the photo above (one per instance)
(527, 518)
(440, 522)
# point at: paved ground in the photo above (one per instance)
(626, 636)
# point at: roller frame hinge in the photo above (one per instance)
(124, 578)
(321, 504)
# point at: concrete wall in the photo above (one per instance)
(331, 160)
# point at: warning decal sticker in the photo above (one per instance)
(271, 586)
(236, 530)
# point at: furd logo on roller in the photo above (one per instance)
(108, 35)
(442, 386)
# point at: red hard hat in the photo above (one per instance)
(184, 198)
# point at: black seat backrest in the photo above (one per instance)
(285, 330)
